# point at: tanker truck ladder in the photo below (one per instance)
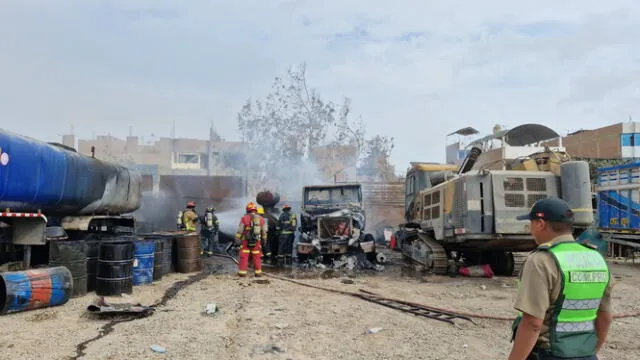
(26, 229)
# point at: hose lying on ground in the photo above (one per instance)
(476, 316)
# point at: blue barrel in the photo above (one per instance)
(143, 262)
(34, 289)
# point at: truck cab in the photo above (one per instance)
(332, 222)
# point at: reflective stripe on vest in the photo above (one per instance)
(585, 277)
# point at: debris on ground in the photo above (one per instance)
(477, 271)
(374, 330)
(158, 349)
(268, 348)
(210, 309)
(101, 307)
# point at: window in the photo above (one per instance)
(410, 184)
(189, 161)
(630, 139)
(184, 158)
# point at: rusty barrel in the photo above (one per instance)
(71, 254)
(115, 269)
(34, 289)
(188, 254)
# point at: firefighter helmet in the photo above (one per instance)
(260, 210)
(251, 207)
(191, 204)
(286, 206)
(211, 209)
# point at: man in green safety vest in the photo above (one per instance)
(564, 293)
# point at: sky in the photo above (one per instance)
(413, 70)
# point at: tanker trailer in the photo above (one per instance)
(470, 218)
(47, 186)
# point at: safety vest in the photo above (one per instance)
(585, 277)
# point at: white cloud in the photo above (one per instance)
(414, 71)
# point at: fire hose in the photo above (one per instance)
(459, 313)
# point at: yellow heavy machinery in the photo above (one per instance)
(466, 214)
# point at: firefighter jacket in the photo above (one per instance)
(253, 229)
(287, 223)
(585, 277)
(190, 219)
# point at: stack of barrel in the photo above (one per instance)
(112, 265)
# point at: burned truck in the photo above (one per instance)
(332, 224)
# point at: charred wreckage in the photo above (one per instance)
(332, 229)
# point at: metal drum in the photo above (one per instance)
(169, 264)
(188, 254)
(34, 289)
(93, 251)
(115, 266)
(71, 254)
(158, 259)
(143, 263)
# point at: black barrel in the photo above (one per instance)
(158, 259)
(169, 262)
(115, 266)
(71, 254)
(93, 250)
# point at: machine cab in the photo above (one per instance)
(419, 178)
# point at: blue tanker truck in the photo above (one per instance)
(618, 207)
(49, 190)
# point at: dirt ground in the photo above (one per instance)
(282, 320)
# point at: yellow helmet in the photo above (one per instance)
(260, 210)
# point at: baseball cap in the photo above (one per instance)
(550, 209)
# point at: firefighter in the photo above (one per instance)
(267, 246)
(190, 217)
(251, 234)
(209, 232)
(287, 227)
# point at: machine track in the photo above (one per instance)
(436, 259)
(518, 262)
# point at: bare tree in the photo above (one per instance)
(282, 130)
(376, 156)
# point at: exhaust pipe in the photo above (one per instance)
(470, 160)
